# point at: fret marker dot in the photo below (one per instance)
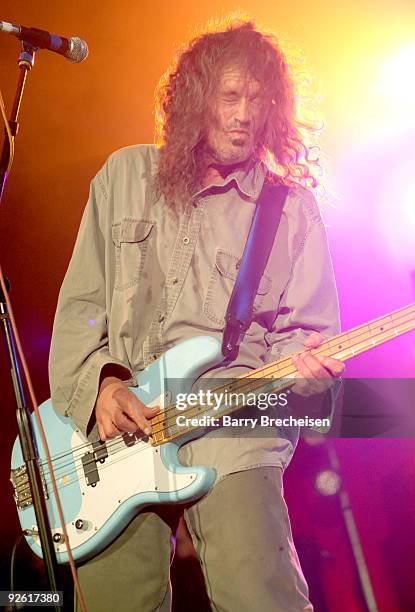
(340, 346)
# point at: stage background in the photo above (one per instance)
(362, 56)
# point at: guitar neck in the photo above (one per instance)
(343, 346)
(357, 340)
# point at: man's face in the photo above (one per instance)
(237, 116)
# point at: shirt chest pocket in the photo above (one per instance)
(221, 284)
(132, 240)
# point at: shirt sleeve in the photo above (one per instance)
(309, 302)
(79, 348)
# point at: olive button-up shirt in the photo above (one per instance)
(143, 278)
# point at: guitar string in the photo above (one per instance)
(80, 470)
(118, 441)
(80, 473)
(157, 417)
(160, 420)
(280, 363)
(246, 377)
(164, 416)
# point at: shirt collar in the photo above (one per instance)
(249, 183)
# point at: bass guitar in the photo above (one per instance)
(103, 485)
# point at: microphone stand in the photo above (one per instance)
(354, 538)
(27, 440)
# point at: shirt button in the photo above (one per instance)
(174, 280)
(186, 240)
(161, 318)
(153, 357)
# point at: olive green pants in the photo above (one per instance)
(242, 536)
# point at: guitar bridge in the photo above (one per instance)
(21, 487)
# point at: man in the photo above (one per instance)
(154, 263)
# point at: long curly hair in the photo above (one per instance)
(182, 99)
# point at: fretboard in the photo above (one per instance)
(281, 373)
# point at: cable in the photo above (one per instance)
(15, 545)
(8, 132)
(44, 442)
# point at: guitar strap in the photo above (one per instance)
(258, 246)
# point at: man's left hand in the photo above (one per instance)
(316, 372)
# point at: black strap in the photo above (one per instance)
(258, 246)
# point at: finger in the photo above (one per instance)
(136, 412)
(314, 340)
(149, 412)
(101, 432)
(132, 407)
(315, 366)
(106, 428)
(102, 428)
(306, 366)
(114, 432)
(334, 366)
(302, 369)
(306, 387)
(124, 423)
(311, 380)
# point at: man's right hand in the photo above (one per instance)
(117, 410)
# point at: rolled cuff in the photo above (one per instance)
(80, 407)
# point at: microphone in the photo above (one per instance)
(74, 49)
